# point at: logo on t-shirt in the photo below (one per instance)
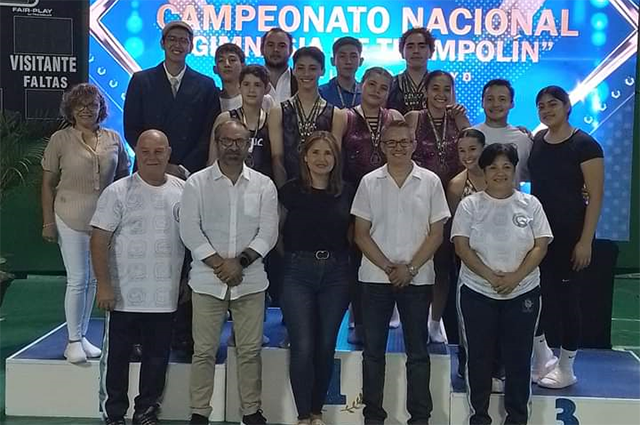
(520, 220)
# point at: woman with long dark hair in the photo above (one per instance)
(567, 175)
(436, 130)
(363, 154)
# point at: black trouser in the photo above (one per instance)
(122, 330)
(355, 287)
(413, 303)
(561, 290)
(513, 322)
(182, 339)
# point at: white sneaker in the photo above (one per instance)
(557, 379)
(497, 385)
(74, 353)
(539, 371)
(89, 349)
(437, 333)
(317, 421)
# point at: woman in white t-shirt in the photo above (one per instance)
(501, 236)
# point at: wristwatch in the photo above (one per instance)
(413, 271)
(245, 260)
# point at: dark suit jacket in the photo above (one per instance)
(186, 119)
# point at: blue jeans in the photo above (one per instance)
(377, 306)
(314, 298)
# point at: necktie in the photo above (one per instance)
(174, 86)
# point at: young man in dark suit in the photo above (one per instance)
(183, 104)
(175, 99)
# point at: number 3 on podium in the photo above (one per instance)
(566, 409)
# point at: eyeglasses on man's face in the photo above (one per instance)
(392, 143)
(226, 142)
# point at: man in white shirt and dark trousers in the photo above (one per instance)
(400, 212)
(229, 221)
(137, 256)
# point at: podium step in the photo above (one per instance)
(608, 390)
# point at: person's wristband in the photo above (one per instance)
(48, 225)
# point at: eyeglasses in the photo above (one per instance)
(404, 143)
(227, 143)
(180, 40)
(94, 106)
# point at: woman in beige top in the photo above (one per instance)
(78, 163)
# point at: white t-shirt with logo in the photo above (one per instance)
(510, 134)
(146, 253)
(501, 232)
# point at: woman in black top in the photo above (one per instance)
(315, 291)
(291, 122)
(567, 176)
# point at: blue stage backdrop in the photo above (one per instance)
(588, 47)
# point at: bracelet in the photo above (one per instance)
(48, 224)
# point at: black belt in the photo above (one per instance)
(321, 254)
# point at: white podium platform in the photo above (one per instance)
(39, 382)
(607, 392)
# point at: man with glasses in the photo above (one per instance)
(175, 99)
(400, 212)
(229, 221)
(183, 104)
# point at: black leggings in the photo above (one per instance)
(561, 292)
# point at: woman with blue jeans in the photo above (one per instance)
(315, 290)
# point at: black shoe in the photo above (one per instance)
(109, 421)
(198, 420)
(254, 419)
(149, 417)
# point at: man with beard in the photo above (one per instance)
(276, 47)
(229, 221)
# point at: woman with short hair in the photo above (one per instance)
(80, 161)
(501, 236)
